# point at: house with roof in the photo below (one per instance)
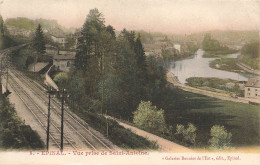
(252, 88)
(58, 36)
(65, 61)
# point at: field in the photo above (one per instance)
(242, 120)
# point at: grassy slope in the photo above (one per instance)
(242, 120)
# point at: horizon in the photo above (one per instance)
(140, 30)
(183, 17)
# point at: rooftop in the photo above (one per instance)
(253, 82)
(58, 33)
(64, 57)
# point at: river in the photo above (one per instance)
(197, 66)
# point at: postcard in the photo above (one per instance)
(129, 82)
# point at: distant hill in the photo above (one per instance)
(29, 24)
(224, 37)
(229, 37)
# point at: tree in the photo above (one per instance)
(91, 50)
(111, 30)
(149, 117)
(61, 79)
(251, 50)
(188, 134)
(156, 80)
(70, 42)
(2, 30)
(76, 85)
(220, 138)
(39, 41)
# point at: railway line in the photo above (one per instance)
(72, 126)
(41, 117)
(77, 134)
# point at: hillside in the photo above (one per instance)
(229, 37)
(29, 24)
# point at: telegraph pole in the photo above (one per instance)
(62, 115)
(6, 78)
(1, 76)
(48, 120)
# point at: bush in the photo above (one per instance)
(118, 135)
(189, 134)
(14, 134)
(148, 117)
(61, 79)
(220, 138)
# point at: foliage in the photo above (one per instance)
(167, 55)
(70, 42)
(253, 63)
(14, 133)
(76, 85)
(227, 64)
(113, 71)
(149, 117)
(29, 24)
(181, 107)
(220, 138)
(251, 50)
(188, 134)
(39, 41)
(5, 40)
(213, 46)
(120, 136)
(156, 80)
(22, 58)
(217, 83)
(251, 55)
(61, 79)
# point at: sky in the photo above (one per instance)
(167, 16)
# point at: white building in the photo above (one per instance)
(57, 35)
(252, 88)
(59, 39)
(177, 47)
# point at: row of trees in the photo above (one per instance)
(209, 44)
(112, 73)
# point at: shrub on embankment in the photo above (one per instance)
(14, 134)
(117, 134)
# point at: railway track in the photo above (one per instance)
(41, 117)
(71, 122)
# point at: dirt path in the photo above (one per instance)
(247, 68)
(164, 145)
